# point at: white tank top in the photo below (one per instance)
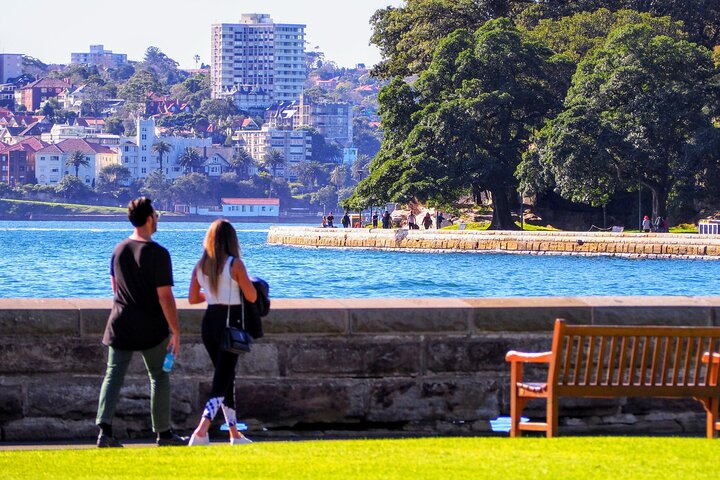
(228, 292)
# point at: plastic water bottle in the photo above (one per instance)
(168, 363)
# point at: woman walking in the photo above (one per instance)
(221, 275)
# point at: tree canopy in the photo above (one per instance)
(640, 111)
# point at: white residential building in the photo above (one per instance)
(10, 66)
(143, 160)
(294, 145)
(257, 62)
(51, 161)
(99, 56)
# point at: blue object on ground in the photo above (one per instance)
(502, 424)
(240, 426)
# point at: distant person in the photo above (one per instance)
(323, 224)
(427, 221)
(222, 276)
(330, 220)
(375, 220)
(412, 222)
(439, 220)
(658, 224)
(646, 225)
(143, 318)
(345, 220)
(386, 219)
(666, 224)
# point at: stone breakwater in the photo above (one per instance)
(333, 367)
(647, 245)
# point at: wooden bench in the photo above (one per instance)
(608, 361)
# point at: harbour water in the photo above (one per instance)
(71, 259)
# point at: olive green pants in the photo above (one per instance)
(117, 365)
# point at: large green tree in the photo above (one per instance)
(190, 189)
(190, 160)
(463, 128)
(639, 111)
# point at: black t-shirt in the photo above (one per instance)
(137, 321)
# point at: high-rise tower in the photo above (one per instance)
(257, 62)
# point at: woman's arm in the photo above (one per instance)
(241, 277)
(195, 295)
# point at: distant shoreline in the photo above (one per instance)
(168, 218)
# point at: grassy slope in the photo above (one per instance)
(615, 458)
(52, 208)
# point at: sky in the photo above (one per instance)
(180, 28)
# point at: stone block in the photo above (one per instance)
(38, 316)
(11, 401)
(525, 314)
(429, 399)
(670, 311)
(68, 397)
(420, 315)
(39, 429)
(290, 402)
(356, 357)
(301, 316)
(27, 355)
(478, 353)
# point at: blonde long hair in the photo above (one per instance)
(220, 243)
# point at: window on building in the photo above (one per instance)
(143, 170)
(243, 208)
(252, 208)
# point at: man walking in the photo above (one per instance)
(143, 318)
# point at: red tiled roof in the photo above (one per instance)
(250, 201)
(73, 144)
(47, 83)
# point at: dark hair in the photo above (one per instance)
(139, 210)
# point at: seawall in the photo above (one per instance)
(650, 245)
(332, 367)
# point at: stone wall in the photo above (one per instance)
(647, 245)
(332, 367)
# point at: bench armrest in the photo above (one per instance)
(513, 356)
(706, 357)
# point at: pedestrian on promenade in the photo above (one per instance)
(330, 220)
(222, 276)
(345, 220)
(427, 221)
(646, 225)
(386, 219)
(658, 223)
(323, 224)
(439, 220)
(375, 220)
(143, 318)
(412, 222)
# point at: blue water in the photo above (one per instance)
(70, 259)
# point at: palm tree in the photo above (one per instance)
(161, 148)
(241, 162)
(77, 159)
(273, 159)
(190, 159)
(309, 173)
(339, 176)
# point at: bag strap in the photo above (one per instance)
(242, 300)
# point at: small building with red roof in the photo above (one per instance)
(17, 162)
(238, 207)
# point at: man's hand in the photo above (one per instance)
(174, 344)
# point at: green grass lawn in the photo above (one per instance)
(613, 458)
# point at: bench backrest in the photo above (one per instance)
(634, 361)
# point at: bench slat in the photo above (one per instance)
(652, 331)
(578, 357)
(698, 361)
(623, 356)
(589, 359)
(611, 361)
(655, 357)
(688, 352)
(603, 391)
(568, 356)
(601, 361)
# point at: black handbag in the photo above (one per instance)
(236, 340)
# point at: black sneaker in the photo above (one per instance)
(174, 440)
(105, 441)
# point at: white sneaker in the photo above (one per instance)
(196, 441)
(240, 441)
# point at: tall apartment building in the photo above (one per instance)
(257, 62)
(10, 66)
(99, 56)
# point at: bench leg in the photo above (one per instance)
(552, 416)
(517, 405)
(711, 408)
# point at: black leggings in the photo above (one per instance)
(213, 326)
